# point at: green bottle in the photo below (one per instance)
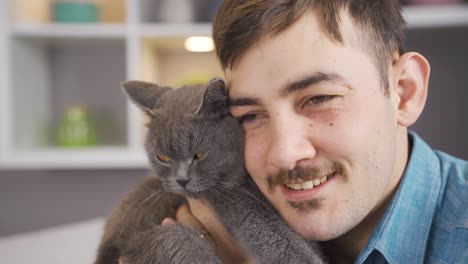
(76, 129)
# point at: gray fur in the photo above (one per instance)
(186, 121)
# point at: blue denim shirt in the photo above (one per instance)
(427, 219)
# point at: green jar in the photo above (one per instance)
(76, 129)
(75, 12)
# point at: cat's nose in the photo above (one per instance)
(183, 182)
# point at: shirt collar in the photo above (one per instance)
(402, 233)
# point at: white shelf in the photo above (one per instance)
(86, 158)
(161, 30)
(70, 30)
(436, 16)
(152, 30)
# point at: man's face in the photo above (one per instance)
(315, 114)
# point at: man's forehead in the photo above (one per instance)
(238, 75)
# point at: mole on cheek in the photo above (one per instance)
(331, 124)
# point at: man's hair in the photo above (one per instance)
(240, 23)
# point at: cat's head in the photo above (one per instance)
(193, 143)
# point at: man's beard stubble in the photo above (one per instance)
(303, 174)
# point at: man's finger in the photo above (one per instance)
(168, 221)
(185, 217)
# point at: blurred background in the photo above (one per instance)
(71, 145)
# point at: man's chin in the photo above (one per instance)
(306, 220)
(315, 233)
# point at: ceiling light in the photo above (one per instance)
(199, 44)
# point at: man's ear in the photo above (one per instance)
(144, 94)
(412, 72)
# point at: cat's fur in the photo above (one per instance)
(184, 122)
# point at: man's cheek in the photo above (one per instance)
(255, 156)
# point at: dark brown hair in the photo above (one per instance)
(240, 23)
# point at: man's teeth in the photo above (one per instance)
(316, 182)
(307, 185)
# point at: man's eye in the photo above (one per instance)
(247, 118)
(317, 100)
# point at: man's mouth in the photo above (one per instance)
(307, 184)
(304, 178)
(306, 190)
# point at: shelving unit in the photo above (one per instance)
(68, 31)
(49, 66)
(435, 16)
(45, 67)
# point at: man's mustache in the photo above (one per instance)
(302, 174)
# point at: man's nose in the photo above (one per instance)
(290, 140)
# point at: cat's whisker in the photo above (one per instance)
(214, 189)
(245, 191)
(151, 196)
(157, 198)
(136, 208)
(228, 193)
(223, 194)
(129, 207)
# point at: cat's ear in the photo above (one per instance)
(214, 98)
(144, 94)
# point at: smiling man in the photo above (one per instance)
(326, 94)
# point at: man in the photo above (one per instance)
(325, 94)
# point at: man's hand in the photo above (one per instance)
(203, 219)
(185, 217)
(200, 217)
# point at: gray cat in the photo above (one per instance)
(196, 148)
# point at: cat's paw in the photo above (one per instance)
(169, 244)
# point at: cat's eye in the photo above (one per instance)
(199, 155)
(164, 158)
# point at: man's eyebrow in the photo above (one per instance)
(313, 79)
(233, 102)
(302, 83)
(242, 101)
